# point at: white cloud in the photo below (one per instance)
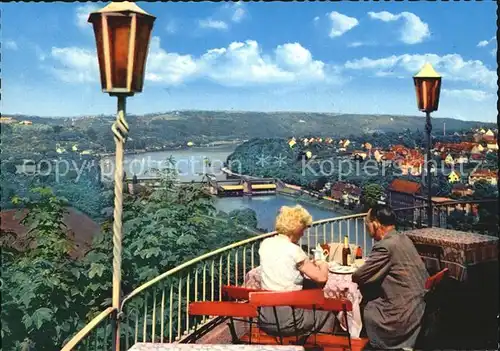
(470, 94)
(212, 24)
(223, 16)
(10, 45)
(39, 53)
(171, 27)
(169, 68)
(82, 14)
(452, 67)
(355, 44)
(238, 64)
(413, 31)
(239, 12)
(76, 65)
(483, 43)
(493, 52)
(340, 23)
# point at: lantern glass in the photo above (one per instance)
(100, 51)
(119, 39)
(122, 32)
(428, 91)
(143, 34)
(427, 86)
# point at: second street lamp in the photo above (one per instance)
(428, 86)
(122, 32)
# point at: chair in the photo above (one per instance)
(229, 309)
(433, 252)
(433, 300)
(307, 299)
(433, 281)
(237, 292)
(335, 306)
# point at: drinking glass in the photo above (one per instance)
(353, 257)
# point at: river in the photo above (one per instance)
(191, 166)
(190, 163)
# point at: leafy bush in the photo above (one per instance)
(47, 296)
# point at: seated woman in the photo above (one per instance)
(283, 265)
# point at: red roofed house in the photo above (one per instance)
(348, 193)
(413, 167)
(492, 145)
(462, 190)
(81, 230)
(403, 193)
(354, 195)
(483, 174)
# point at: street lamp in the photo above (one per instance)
(427, 86)
(122, 32)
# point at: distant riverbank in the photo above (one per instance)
(214, 146)
(313, 201)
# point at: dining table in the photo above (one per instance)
(337, 286)
(461, 251)
(472, 287)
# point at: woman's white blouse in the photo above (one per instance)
(278, 260)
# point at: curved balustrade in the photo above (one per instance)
(157, 311)
(96, 335)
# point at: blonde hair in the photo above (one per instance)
(290, 219)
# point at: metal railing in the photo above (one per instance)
(96, 335)
(158, 311)
(416, 217)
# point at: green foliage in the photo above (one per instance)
(51, 296)
(40, 280)
(484, 190)
(371, 194)
(488, 212)
(441, 186)
(260, 157)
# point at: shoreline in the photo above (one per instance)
(181, 148)
(323, 204)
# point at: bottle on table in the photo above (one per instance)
(346, 252)
(359, 253)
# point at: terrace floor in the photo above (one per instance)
(321, 341)
(220, 335)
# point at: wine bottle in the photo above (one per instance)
(346, 252)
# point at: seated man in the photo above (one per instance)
(392, 282)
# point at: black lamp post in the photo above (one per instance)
(428, 86)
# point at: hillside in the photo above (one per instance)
(165, 129)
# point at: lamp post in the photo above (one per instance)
(122, 32)
(427, 86)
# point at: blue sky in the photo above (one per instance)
(327, 57)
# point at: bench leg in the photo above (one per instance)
(232, 329)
